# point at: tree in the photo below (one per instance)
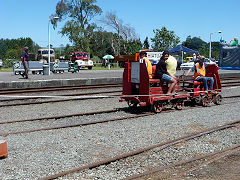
(100, 43)
(11, 48)
(111, 20)
(146, 43)
(122, 34)
(78, 26)
(194, 43)
(164, 39)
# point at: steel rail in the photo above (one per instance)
(76, 125)
(74, 99)
(50, 101)
(74, 94)
(88, 113)
(138, 151)
(61, 116)
(180, 163)
(229, 152)
(21, 91)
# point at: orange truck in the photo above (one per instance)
(121, 59)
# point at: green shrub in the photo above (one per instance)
(7, 63)
(96, 59)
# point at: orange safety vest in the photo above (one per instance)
(149, 67)
(200, 71)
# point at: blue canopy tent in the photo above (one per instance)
(182, 49)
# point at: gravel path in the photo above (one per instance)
(44, 153)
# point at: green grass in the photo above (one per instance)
(4, 69)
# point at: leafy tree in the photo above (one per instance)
(164, 39)
(66, 52)
(100, 43)
(11, 48)
(134, 46)
(194, 43)
(13, 54)
(79, 14)
(146, 43)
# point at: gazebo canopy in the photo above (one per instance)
(181, 48)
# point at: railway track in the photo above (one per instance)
(63, 99)
(206, 158)
(71, 97)
(116, 158)
(160, 146)
(87, 122)
(37, 90)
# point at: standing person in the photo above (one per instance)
(148, 63)
(25, 62)
(163, 75)
(199, 74)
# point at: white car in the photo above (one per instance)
(1, 63)
(82, 64)
(189, 65)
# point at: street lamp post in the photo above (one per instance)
(49, 22)
(210, 44)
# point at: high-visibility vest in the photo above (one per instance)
(149, 67)
(200, 71)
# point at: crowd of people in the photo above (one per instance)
(166, 71)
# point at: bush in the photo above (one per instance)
(9, 62)
(96, 59)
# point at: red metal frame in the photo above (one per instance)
(148, 91)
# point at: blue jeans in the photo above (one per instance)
(205, 81)
(166, 78)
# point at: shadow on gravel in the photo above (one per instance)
(136, 110)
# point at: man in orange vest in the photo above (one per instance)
(199, 74)
(148, 63)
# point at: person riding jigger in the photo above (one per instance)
(167, 74)
(199, 75)
(143, 56)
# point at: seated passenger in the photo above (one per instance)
(199, 74)
(164, 75)
(171, 64)
(148, 63)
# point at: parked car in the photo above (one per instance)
(1, 63)
(189, 65)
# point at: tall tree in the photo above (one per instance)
(146, 43)
(111, 20)
(78, 15)
(123, 33)
(164, 39)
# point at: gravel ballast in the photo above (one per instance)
(40, 154)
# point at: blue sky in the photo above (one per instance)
(197, 18)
